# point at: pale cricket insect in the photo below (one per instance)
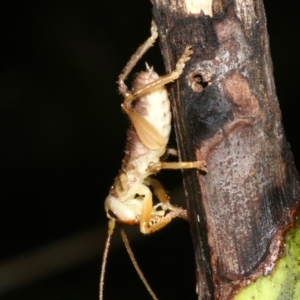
(130, 198)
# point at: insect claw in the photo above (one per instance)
(201, 165)
(154, 32)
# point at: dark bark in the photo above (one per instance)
(226, 112)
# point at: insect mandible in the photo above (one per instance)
(148, 108)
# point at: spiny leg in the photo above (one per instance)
(162, 196)
(163, 80)
(150, 222)
(135, 58)
(158, 223)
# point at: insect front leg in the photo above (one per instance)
(163, 197)
(152, 220)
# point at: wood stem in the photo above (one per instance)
(226, 112)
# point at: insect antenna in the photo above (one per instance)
(111, 225)
(135, 264)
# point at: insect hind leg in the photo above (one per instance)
(123, 89)
(161, 81)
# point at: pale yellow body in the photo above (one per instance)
(130, 195)
(130, 198)
(148, 107)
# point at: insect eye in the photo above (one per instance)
(112, 214)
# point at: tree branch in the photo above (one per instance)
(226, 112)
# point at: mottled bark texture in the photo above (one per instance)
(226, 112)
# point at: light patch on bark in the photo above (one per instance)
(195, 6)
(187, 6)
(245, 12)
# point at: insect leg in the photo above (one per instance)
(147, 133)
(149, 221)
(146, 209)
(163, 80)
(163, 197)
(135, 58)
(199, 165)
(158, 189)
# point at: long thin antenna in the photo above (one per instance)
(111, 226)
(103, 267)
(135, 264)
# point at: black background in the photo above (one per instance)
(63, 135)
